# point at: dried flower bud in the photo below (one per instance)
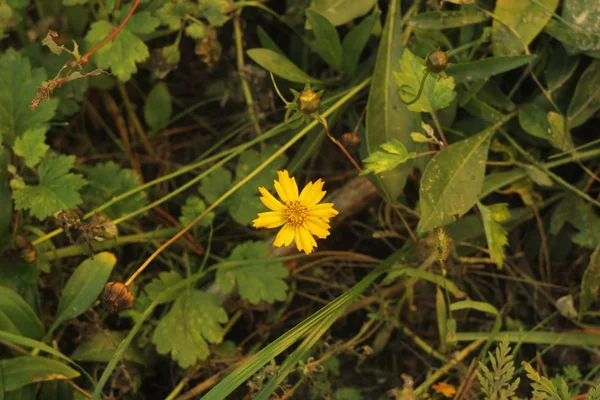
(26, 248)
(437, 61)
(351, 140)
(117, 297)
(308, 101)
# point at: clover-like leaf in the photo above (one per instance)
(193, 207)
(31, 146)
(393, 154)
(194, 321)
(158, 285)
(256, 280)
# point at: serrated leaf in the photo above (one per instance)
(452, 180)
(108, 180)
(339, 12)
(394, 153)
(17, 316)
(172, 14)
(355, 41)
(280, 65)
(586, 99)
(142, 22)
(526, 18)
(120, 55)
(84, 286)
(438, 92)
(31, 146)
(215, 185)
(495, 234)
(102, 347)
(194, 319)
(590, 283)
(387, 117)
(21, 371)
(256, 281)
(446, 19)
(158, 107)
(483, 69)
(327, 39)
(215, 11)
(193, 207)
(18, 86)
(158, 285)
(57, 189)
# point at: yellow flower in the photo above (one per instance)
(445, 388)
(301, 215)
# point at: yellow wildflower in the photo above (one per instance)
(445, 388)
(300, 214)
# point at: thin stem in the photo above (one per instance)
(436, 121)
(421, 87)
(135, 120)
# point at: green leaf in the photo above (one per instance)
(158, 285)
(340, 12)
(193, 207)
(452, 180)
(486, 68)
(327, 39)
(256, 281)
(266, 42)
(393, 154)
(526, 18)
(215, 185)
(120, 55)
(387, 117)
(84, 286)
(196, 31)
(158, 107)
(102, 346)
(21, 371)
(355, 41)
(194, 319)
(6, 210)
(280, 65)
(347, 393)
(533, 120)
(33, 344)
(18, 86)
(495, 234)
(560, 69)
(583, 16)
(438, 91)
(590, 283)
(31, 146)
(108, 180)
(215, 11)
(74, 2)
(57, 189)
(142, 22)
(17, 316)
(172, 14)
(538, 176)
(586, 99)
(560, 138)
(446, 19)
(474, 305)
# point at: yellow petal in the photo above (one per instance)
(286, 187)
(312, 193)
(304, 240)
(285, 236)
(317, 227)
(270, 219)
(270, 201)
(323, 211)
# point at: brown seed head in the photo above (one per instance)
(351, 140)
(308, 101)
(117, 297)
(437, 61)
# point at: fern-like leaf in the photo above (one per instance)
(497, 383)
(544, 388)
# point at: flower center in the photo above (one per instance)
(295, 213)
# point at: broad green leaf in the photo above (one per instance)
(533, 120)
(158, 107)
(355, 41)
(560, 138)
(256, 281)
(173, 13)
(452, 181)
(84, 286)
(486, 68)
(560, 69)
(474, 305)
(196, 31)
(141, 22)
(280, 65)
(21, 371)
(18, 314)
(102, 347)
(387, 117)
(121, 55)
(526, 18)
(538, 176)
(339, 12)
(215, 185)
(32, 146)
(586, 99)
(590, 283)
(446, 19)
(215, 11)
(193, 207)
(18, 86)
(57, 189)
(495, 234)
(438, 91)
(158, 285)
(108, 180)
(584, 218)
(393, 154)
(194, 319)
(266, 42)
(583, 32)
(327, 39)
